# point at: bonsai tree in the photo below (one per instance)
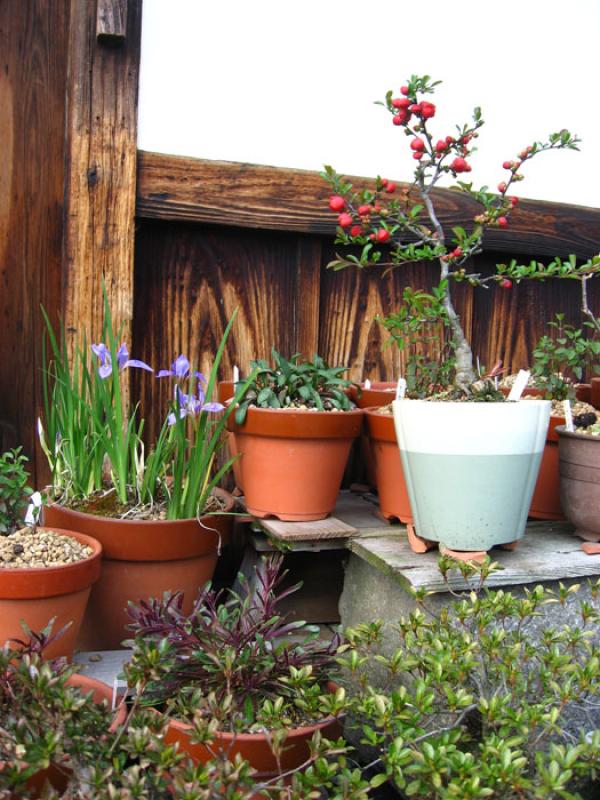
(405, 220)
(561, 357)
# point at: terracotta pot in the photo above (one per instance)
(545, 503)
(37, 594)
(293, 461)
(380, 394)
(255, 747)
(58, 778)
(142, 559)
(393, 495)
(579, 463)
(225, 392)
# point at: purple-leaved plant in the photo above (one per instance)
(234, 658)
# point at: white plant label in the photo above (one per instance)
(519, 385)
(33, 509)
(568, 416)
(401, 389)
(236, 374)
(367, 384)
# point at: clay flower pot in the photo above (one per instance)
(37, 594)
(255, 747)
(293, 462)
(579, 463)
(142, 559)
(471, 468)
(391, 486)
(545, 503)
(225, 392)
(381, 393)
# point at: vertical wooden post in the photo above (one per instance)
(100, 171)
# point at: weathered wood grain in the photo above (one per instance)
(189, 281)
(548, 552)
(101, 172)
(33, 74)
(111, 22)
(329, 528)
(245, 195)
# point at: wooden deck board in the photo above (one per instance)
(330, 528)
(548, 552)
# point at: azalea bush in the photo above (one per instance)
(404, 220)
(481, 699)
(93, 437)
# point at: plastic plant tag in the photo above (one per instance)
(401, 389)
(236, 374)
(519, 385)
(32, 517)
(569, 426)
(367, 383)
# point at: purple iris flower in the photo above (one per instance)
(180, 369)
(192, 405)
(123, 360)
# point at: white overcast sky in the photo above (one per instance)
(293, 83)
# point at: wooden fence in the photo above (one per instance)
(180, 243)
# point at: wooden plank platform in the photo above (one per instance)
(329, 528)
(548, 552)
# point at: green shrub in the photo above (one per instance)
(471, 703)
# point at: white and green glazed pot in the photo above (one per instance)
(471, 468)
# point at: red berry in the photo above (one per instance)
(507, 164)
(401, 102)
(404, 90)
(514, 201)
(459, 165)
(418, 155)
(355, 230)
(372, 237)
(364, 210)
(427, 110)
(502, 187)
(449, 139)
(506, 284)
(377, 208)
(345, 220)
(384, 181)
(502, 222)
(400, 118)
(441, 146)
(391, 187)
(456, 253)
(417, 144)
(415, 108)
(383, 235)
(336, 203)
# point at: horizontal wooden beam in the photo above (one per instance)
(179, 188)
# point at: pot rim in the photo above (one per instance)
(43, 583)
(83, 538)
(231, 736)
(227, 496)
(586, 437)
